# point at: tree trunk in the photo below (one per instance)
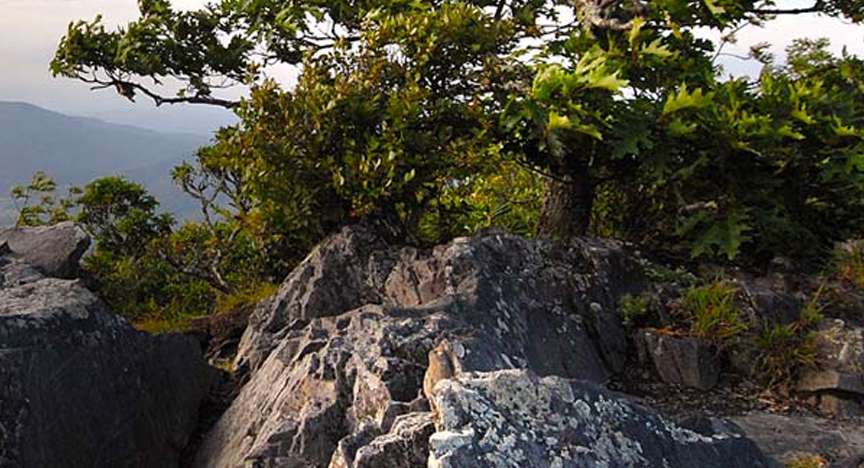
(567, 208)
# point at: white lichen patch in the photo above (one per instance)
(517, 419)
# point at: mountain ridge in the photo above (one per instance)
(74, 150)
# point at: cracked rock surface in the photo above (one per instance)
(335, 363)
(512, 418)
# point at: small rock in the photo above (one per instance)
(819, 380)
(53, 250)
(684, 361)
(405, 446)
(841, 405)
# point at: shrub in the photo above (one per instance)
(658, 273)
(713, 312)
(633, 309)
(37, 203)
(784, 350)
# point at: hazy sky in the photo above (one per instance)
(30, 29)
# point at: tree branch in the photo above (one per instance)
(160, 100)
(128, 89)
(816, 8)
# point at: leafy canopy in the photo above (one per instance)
(406, 111)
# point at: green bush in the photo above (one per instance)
(633, 309)
(155, 275)
(785, 350)
(713, 312)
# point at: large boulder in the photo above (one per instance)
(79, 387)
(531, 303)
(336, 361)
(512, 418)
(53, 250)
(340, 353)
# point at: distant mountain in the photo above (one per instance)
(75, 150)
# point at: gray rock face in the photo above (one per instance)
(336, 361)
(684, 361)
(406, 445)
(79, 387)
(512, 418)
(53, 250)
(784, 437)
(343, 347)
(837, 380)
(515, 292)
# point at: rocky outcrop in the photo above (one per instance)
(336, 361)
(53, 250)
(80, 387)
(519, 298)
(512, 418)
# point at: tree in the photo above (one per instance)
(121, 216)
(398, 103)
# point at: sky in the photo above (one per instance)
(30, 30)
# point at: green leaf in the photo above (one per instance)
(657, 48)
(713, 8)
(678, 127)
(684, 99)
(557, 122)
(606, 81)
(589, 130)
(789, 132)
(802, 115)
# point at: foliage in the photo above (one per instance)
(727, 166)
(415, 113)
(633, 309)
(713, 312)
(143, 267)
(120, 216)
(247, 297)
(36, 203)
(784, 350)
(505, 196)
(147, 288)
(659, 273)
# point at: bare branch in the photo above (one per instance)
(816, 8)
(209, 100)
(128, 89)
